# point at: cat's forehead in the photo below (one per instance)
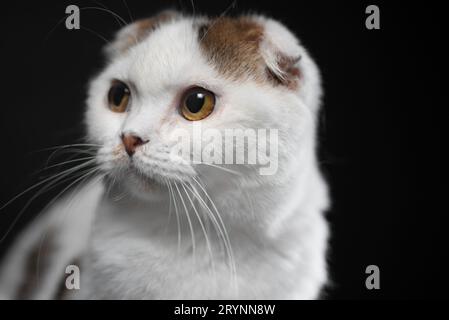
(235, 48)
(169, 51)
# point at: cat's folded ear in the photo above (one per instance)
(135, 32)
(263, 49)
(288, 63)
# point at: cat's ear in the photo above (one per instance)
(288, 63)
(135, 32)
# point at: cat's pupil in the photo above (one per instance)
(118, 92)
(195, 102)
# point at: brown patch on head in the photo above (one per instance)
(139, 30)
(232, 45)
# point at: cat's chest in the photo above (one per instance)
(159, 259)
(158, 271)
(127, 267)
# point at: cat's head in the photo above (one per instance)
(172, 80)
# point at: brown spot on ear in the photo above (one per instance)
(232, 46)
(143, 28)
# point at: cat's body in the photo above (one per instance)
(154, 229)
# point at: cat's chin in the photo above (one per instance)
(138, 185)
(143, 183)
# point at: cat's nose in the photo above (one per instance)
(131, 142)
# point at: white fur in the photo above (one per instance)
(275, 223)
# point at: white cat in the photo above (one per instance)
(149, 227)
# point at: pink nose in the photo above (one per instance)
(131, 142)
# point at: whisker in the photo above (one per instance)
(82, 178)
(217, 227)
(68, 171)
(169, 205)
(129, 11)
(225, 232)
(208, 243)
(104, 6)
(66, 162)
(62, 147)
(85, 174)
(209, 211)
(70, 148)
(108, 11)
(95, 33)
(217, 167)
(46, 188)
(192, 233)
(54, 28)
(70, 145)
(193, 7)
(177, 214)
(232, 5)
(117, 17)
(72, 152)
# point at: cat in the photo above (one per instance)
(149, 225)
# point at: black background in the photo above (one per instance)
(382, 126)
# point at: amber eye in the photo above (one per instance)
(118, 96)
(197, 103)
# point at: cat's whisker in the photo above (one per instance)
(232, 5)
(54, 28)
(70, 145)
(208, 212)
(250, 202)
(72, 152)
(62, 147)
(119, 197)
(52, 184)
(85, 174)
(108, 11)
(220, 231)
(193, 8)
(96, 34)
(83, 178)
(65, 172)
(128, 10)
(117, 17)
(71, 148)
(66, 162)
(124, 192)
(226, 235)
(217, 167)
(192, 232)
(169, 205)
(105, 7)
(177, 214)
(110, 185)
(206, 237)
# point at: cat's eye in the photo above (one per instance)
(118, 96)
(197, 103)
